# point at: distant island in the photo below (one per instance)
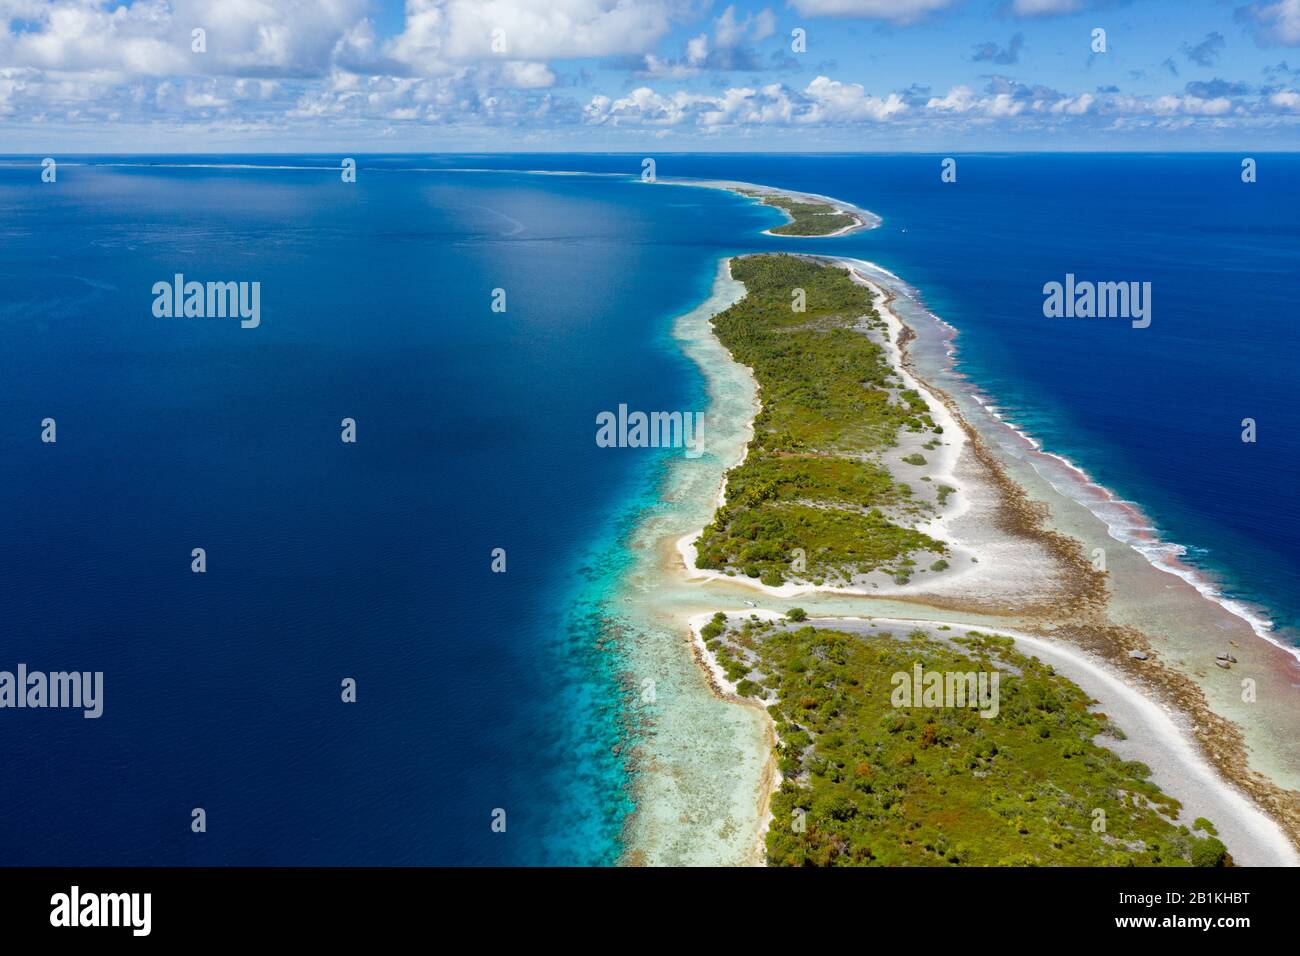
(807, 218)
(811, 216)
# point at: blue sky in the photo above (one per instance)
(518, 75)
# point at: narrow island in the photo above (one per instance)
(811, 216)
(807, 218)
(812, 502)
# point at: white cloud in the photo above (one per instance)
(1003, 104)
(660, 68)
(836, 102)
(729, 49)
(1286, 99)
(1074, 105)
(963, 100)
(1278, 22)
(697, 49)
(443, 32)
(457, 98)
(730, 32)
(103, 49)
(1193, 105)
(960, 99)
(642, 107)
(823, 102)
(697, 56)
(153, 37)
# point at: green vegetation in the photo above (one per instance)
(1208, 852)
(808, 483)
(915, 459)
(806, 218)
(875, 784)
(797, 614)
(809, 219)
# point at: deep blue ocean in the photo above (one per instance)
(480, 691)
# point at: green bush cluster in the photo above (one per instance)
(885, 785)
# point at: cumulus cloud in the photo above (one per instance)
(1005, 99)
(959, 99)
(729, 31)
(1195, 105)
(1275, 22)
(439, 33)
(964, 100)
(822, 102)
(153, 37)
(512, 39)
(460, 98)
(836, 102)
(730, 48)
(1074, 105)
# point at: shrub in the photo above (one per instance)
(1208, 852)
